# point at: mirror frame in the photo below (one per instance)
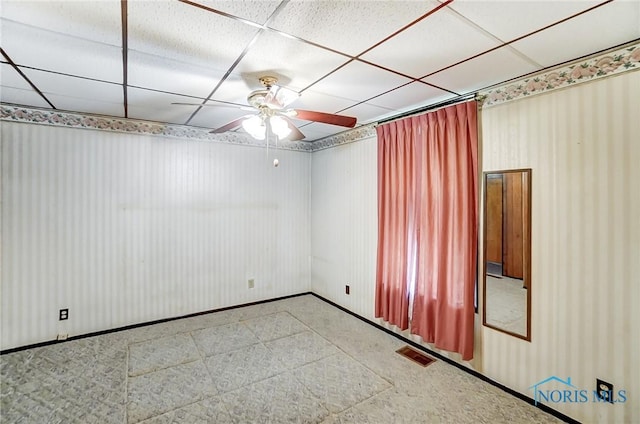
(526, 252)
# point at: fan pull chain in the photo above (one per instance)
(267, 134)
(276, 162)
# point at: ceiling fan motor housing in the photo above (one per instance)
(256, 98)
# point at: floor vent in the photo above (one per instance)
(415, 356)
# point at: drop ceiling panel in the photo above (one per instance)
(411, 96)
(348, 26)
(179, 31)
(500, 65)
(367, 113)
(316, 131)
(9, 77)
(178, 52)
(91, 20)
(20, 96)
(155, 106)
(43, 49)
(236, 88)
(359, 82)
(15, 89)
(508, 20)
(215, 117)
(73, 87)
(278, 55)
(256, 11)
(437, 41)
(312, 100)
(158, 73)
(86, 105)
(607, 26)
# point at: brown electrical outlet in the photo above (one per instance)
(346, 289)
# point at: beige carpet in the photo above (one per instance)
(298, 360)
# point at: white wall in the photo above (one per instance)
(583, 144)
(344, 224)
(123, 229)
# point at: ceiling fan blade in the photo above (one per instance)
(231, 125)
(326, 118)
(280, 97)
(295, 134)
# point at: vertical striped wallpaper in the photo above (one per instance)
(126, 228)
(123, 229)
(344, 226)
(583, 145)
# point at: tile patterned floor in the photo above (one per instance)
(298, 360)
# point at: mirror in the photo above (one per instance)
(507, 252)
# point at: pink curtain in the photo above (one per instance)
(427, 205)
(396, 219)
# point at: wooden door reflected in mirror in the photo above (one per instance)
(507, 252)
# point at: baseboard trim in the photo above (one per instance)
(458, 365)
(428, 351)
(144, 324)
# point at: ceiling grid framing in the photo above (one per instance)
(341, 55)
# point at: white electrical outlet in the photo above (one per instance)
(252, 283)
(63, 336)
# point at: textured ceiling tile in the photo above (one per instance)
(72, 87)
(607, 26)
(432, 44)
(359, 81)
(20, 96)
(253, 10)
(498, 66)
(508, 20)
(182, 32)
(186, 50)
(317, 131)
(148, 71)
(86, 105)
(42, 49)
(235, 88)
(15, 89)
(154, 106)
(295, 63)
(311, 100)
(348, 26)
(91, 20)
(9, 77)
(367, 113)
(215, 117)
(411, 96)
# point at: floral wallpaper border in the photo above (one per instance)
(346, 137)
(124, 125)
(606, 64)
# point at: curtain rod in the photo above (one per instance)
(430, 108)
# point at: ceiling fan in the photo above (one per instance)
(274, 117)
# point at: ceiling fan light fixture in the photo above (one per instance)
(255, 127)
(279, 126)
